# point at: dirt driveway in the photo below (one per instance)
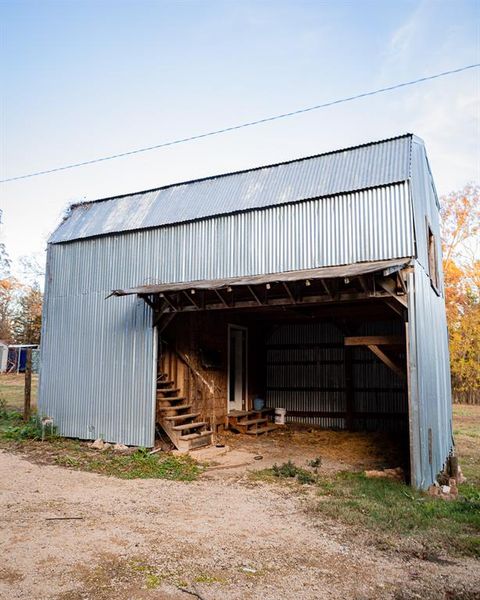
(224, 538)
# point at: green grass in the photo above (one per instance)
(16, 435)
(388, 507)
(137, 465)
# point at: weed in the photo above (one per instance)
(290, 470)
(31, 430)
(316, 463)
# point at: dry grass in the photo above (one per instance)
(12, 389)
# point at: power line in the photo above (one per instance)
(242, 125)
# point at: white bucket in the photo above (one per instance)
(280, 416)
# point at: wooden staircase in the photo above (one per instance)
(175, 415)
(251, 422)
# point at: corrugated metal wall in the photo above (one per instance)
(430, 388)
(305, 372)
(97, 353)
(362, 226)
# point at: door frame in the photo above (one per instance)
(230, 328)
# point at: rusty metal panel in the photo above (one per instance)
(370, 165)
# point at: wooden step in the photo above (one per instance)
(189, 426)
(194, 436)
(171, 398)
(175, 407)
(165, 383)
(168, 390)
(182, 417)
(197, 441)
(261, 430)
(252, 422)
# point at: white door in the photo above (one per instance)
(237, 368)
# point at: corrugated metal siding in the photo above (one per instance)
(97, 376)
(430, 389)
(363, 226)
(368, 166)
(303, 356)
(424, 206)
(107, 345)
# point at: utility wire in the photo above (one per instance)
(242, 125)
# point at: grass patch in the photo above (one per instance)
(142, 465)
(388, 507)
(18, 436)
(12, 387)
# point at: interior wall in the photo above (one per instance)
(306, 373)
(190, 333)
(297, 366)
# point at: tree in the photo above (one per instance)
(27, 320)
(460, 238)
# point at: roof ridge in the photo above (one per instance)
(250, 170)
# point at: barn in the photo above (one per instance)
(314, 286)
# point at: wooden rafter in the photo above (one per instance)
(304, 301)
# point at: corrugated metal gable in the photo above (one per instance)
(362, 167)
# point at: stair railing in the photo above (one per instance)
(195, 386)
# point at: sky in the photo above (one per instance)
(80, 79)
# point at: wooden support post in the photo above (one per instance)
(349, 389)
(28, 386)
(388, 361)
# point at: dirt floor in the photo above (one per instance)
(223, 537)
(338, 450)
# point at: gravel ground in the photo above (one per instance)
(225, 538)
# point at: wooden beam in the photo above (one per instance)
(349, 391)
(28, 385)
(221, 298)
(387, 361)
(148, 301)
(190, 299)
(398, 309)
(375, 340)
(169, 302)
(257, 299)
(289, 293)
(342, 415)
(390, 287)
(326, 288)
(306, 301)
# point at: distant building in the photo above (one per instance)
(17, 357)
(3, 356)
(314, 284)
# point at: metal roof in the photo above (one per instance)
(361, 167)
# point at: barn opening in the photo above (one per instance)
(327, 345)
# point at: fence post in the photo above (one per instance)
(28, 385)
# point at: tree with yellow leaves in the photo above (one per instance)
(461, 264)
